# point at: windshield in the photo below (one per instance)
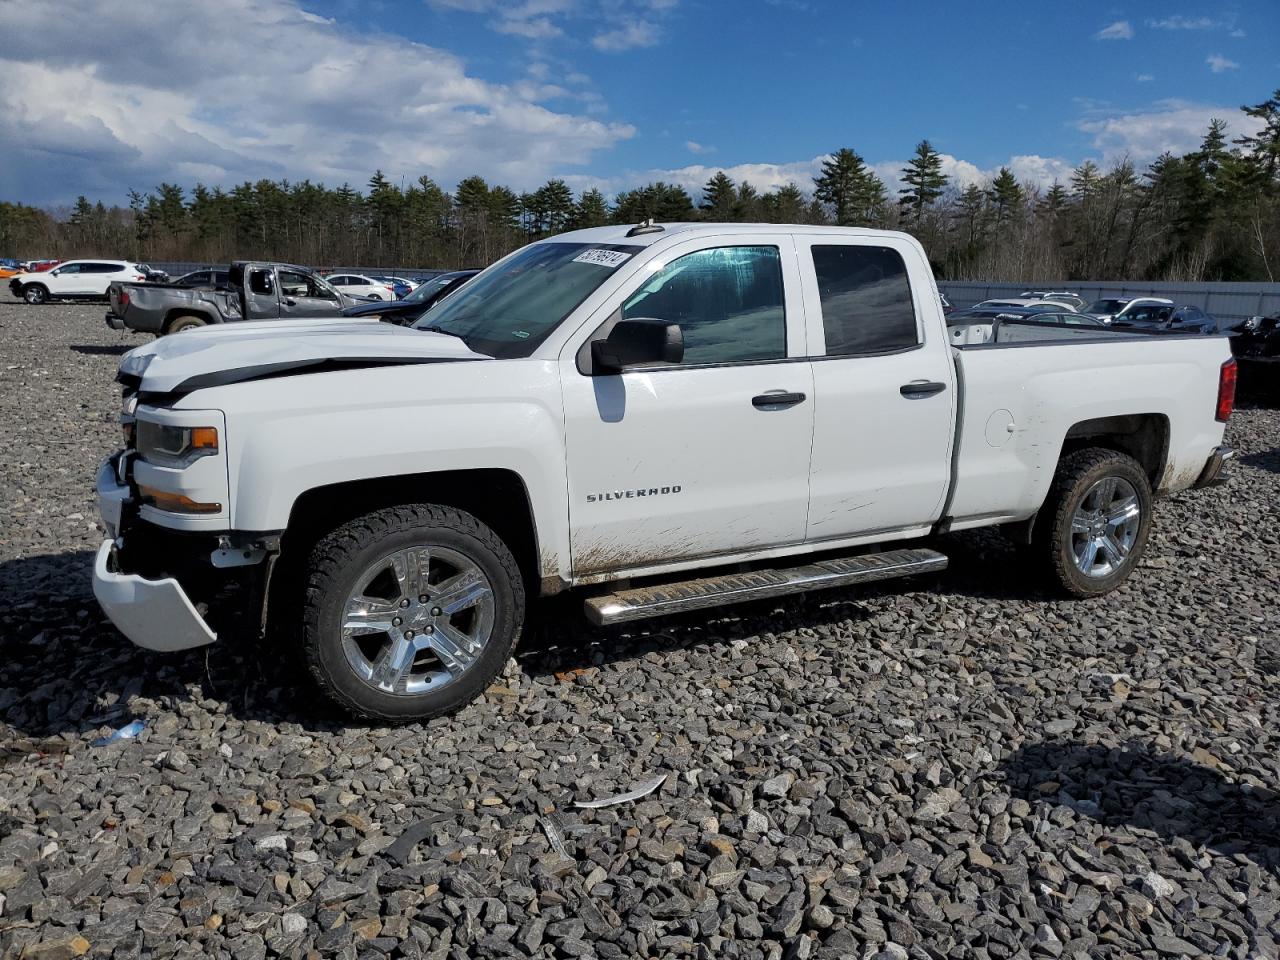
(1106, 306)
(509, 309)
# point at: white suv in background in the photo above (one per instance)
(74, 280)
(358, 285)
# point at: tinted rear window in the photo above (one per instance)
(866, 299)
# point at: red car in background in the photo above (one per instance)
(39, 266)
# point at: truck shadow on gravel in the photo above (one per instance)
(1136, 786)
(68, 671)
(1268, 460)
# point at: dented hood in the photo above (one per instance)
(238, 352)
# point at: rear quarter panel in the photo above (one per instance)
(1021, 401)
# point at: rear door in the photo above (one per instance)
(303, 295)
(692, 460)
(884, 386)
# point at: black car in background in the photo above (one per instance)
(1183, 319)
(406, 311)
(1255, 344)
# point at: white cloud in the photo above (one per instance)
(694, 147)
(1179, 22)
(1220, 64)
(1144, 77)
(1237, 33)
(537, 28)
(1120, 30)
(227, 90)
(612, 25)
(632, 34)
(1041, 171)
(1176, 126)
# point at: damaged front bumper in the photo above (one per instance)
(154, 614)
(1215, 468)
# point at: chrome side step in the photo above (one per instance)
(656, 601)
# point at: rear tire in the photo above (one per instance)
(185, 323)
(1095, 523)
(35, 294)
(410, 612)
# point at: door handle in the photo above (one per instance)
(921, 388)
(779, 399)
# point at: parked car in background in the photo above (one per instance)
(40, 266)
(152, 274)
(408, 310)
(1024, 302)
(1108, 308)
(10, 268)
(359, 285)
(74, 280)
(253, 291)
(1072, 300)
(400, 285)
(1187, 319)
(202, 278)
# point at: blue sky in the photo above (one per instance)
(608, 93)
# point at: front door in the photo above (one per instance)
(886, 387)
(668, 464)
(261, 299)
(302, 295)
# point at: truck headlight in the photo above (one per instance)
(167, 446)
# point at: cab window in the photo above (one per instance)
(727, 301)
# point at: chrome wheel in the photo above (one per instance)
(417, 620)
(1105, 527)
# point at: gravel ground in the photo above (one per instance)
(956, 767)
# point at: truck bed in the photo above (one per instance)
(1059, 380)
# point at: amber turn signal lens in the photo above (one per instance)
(204, 438)
(175, 502)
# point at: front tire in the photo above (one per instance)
(1094, 526)
(35, 294)
(410, 612)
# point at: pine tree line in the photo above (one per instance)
(1210, 214)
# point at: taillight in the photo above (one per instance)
(123, 298)
(139, 279)
(1226, 391)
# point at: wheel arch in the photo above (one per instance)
(1143, 436)
(178, 313)
(498, 498)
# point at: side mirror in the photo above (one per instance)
(643, 341)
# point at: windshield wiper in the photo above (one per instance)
(447, 333)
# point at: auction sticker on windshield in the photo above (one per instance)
(602, 258)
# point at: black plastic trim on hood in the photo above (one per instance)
(268, 371)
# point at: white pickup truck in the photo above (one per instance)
(664, 418)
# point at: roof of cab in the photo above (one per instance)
(617, 234)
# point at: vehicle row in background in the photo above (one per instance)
(359, 285)
(424, 297)
(251, 291)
